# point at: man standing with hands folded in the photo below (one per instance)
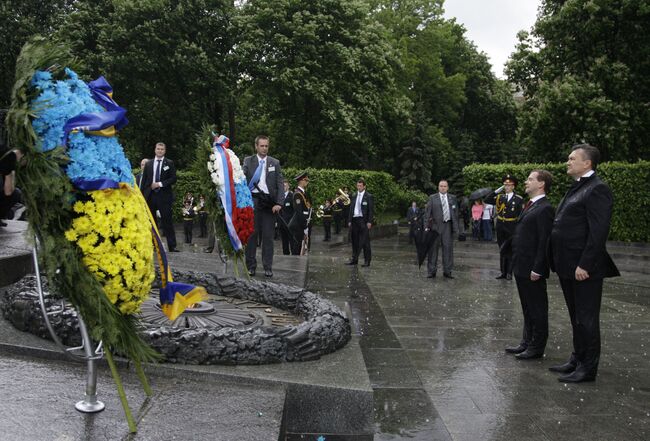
(580, 259)
(530, 265)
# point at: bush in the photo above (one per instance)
(628, 182)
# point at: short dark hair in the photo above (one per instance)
(443, 180)
(361, 181)
(259, 137)
(546, 177)
(590, 152)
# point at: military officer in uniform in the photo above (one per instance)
(508, 206)
(302, 213)
(286, 213)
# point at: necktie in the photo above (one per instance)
(157, 176)
(445, 208)
(358, 205)
(256, 176)
(528, 204)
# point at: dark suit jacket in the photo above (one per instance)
(367, 207)
(274, 178)
(580, 230)
(433, 217)
(167, 177)
(530, 240)
(287, 208)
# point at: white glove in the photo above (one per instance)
(499, 190)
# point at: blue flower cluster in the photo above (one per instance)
(243, 195)
(91, 157)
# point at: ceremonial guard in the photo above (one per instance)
(508, 206)
(337, 215)
(327, 220)
(302, 214)
(285, 217)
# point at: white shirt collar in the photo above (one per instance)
(160, 159)
(260, 159)
(586, 175)
(537, 198)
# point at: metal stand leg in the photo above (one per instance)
(90, 403)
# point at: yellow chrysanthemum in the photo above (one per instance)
(114, 235)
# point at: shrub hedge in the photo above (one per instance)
(630, 184)
(324, 184)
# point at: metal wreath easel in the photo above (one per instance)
(89, 404)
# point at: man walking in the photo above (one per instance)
(360, 218)
(265, 180)
(508, 207)
(157, 180)
(581, 261)
(441, 216)
(530, 265)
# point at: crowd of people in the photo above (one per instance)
(534, 239)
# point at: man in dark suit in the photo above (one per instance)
(413, 218)
(139, 176)
(360, 219)
(157, 180)
(441, 216)
(580, 259)
(530, 265)
(286, 214)
(508, 206)
(264, 177)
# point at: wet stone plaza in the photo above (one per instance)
(426, 355)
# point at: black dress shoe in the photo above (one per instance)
(502, 276)
(207, 250)
(251, 272)
(268, 273)
(365, 264)
(529, 355)
(448, 275)
(173, 250)
(577, 376)
(563, 368)
(509, 277)
(431, 276)
(516, 349)
(352, 262)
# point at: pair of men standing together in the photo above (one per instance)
(576, 235)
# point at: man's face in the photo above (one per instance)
(143, 163)
(533, 185)
(361, 187)
(443, 187)
(262, 147)
(286, 186)
(160, 150)
(414, 204)
(577, 165)
(303, 182)
(509, 188)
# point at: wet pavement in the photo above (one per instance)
(434, 350)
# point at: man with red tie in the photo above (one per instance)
(530, 265)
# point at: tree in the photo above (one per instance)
(583, 71)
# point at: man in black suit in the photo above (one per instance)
(580, 259)
(360, 218)
(286, 214)
(441, 216)
(157, 180)
(300, 223)
(264, 177)
(530, 265)
(413, 219)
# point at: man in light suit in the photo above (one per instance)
(441, 216)
(530, 265)
(580, 259)
(158, 177)
(361, 215)
(264, 177)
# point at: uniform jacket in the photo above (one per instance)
(167, 177)
(301, 212)
(580, 230)
(367, 207)
(274, 178)
(530, 239)
(506, 211)
(433, 217)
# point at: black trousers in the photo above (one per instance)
(534, 305)
(360, 237)
(188, 225)
(505, 230)
(203, 224)
(264, 231)
(337, 223)
(327, 226)
(583, 302)
(285, 235)
(162, 204)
